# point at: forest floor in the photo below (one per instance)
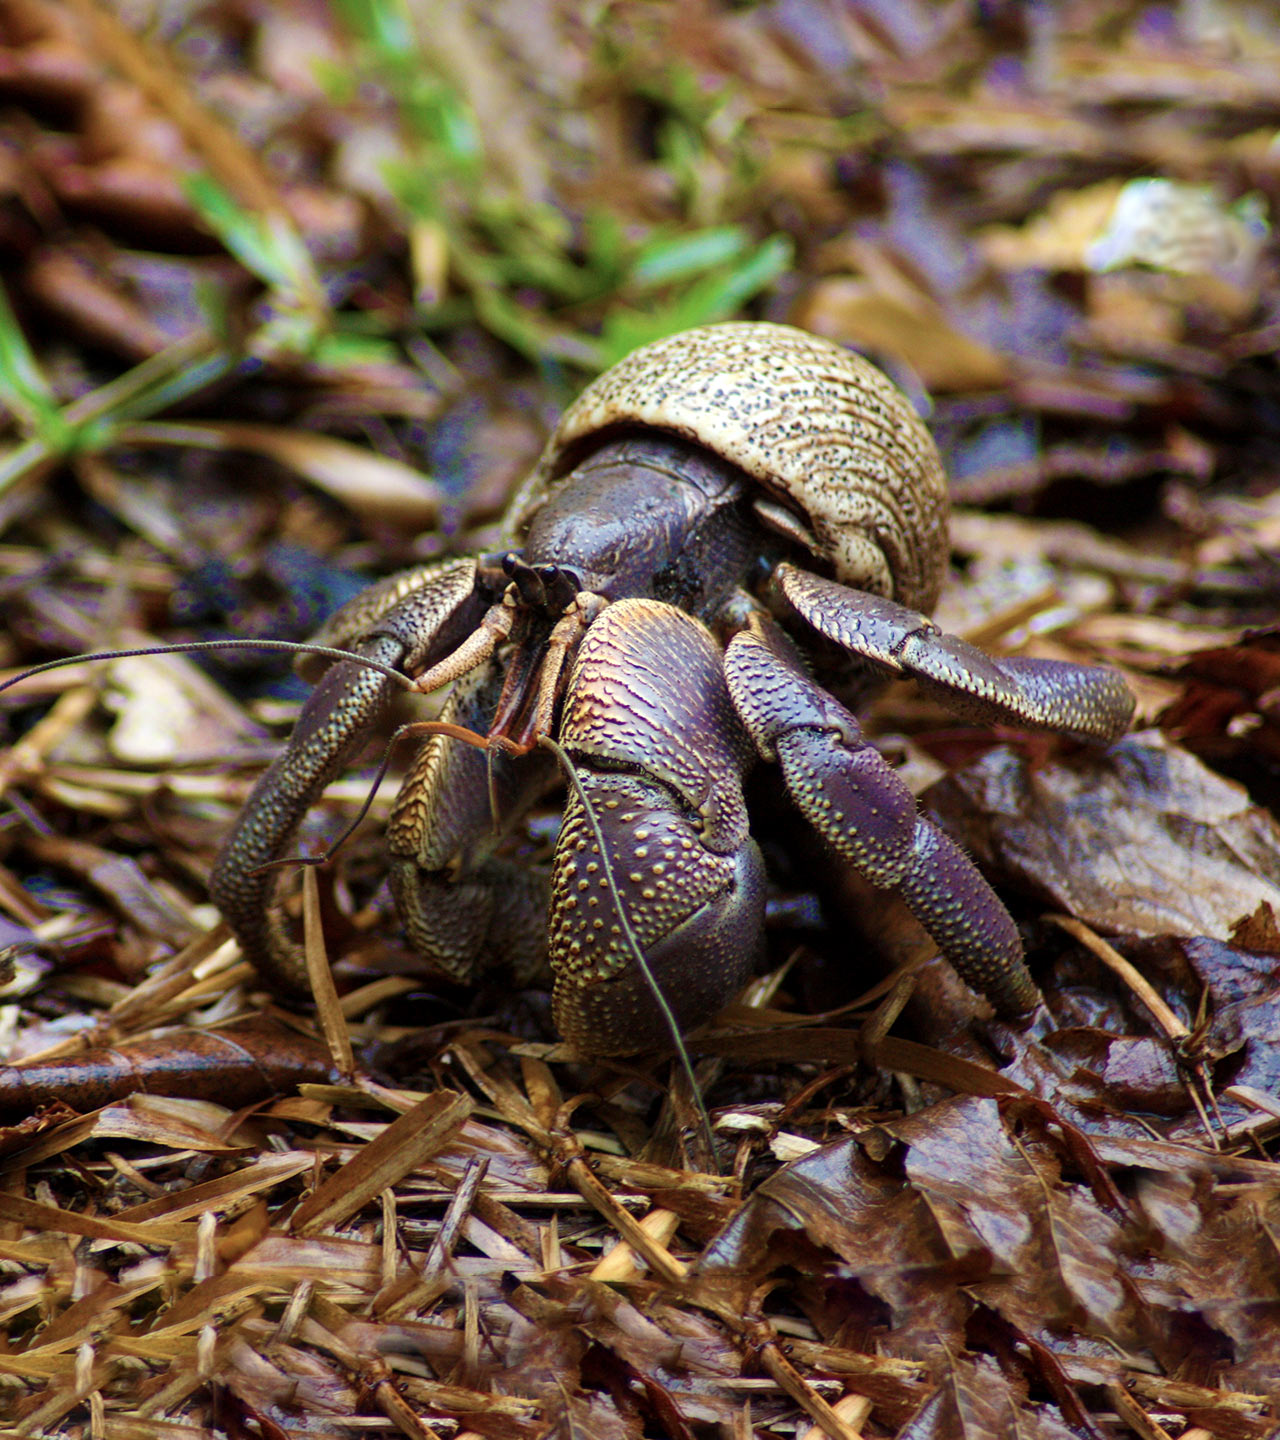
(292, 295)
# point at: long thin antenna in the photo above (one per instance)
(629, 935)
(408, 731)
(191, 647)
(287, 862)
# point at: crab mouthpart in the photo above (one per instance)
(538, 671)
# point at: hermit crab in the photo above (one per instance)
(722, 532)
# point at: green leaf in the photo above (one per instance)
(23, 388)
(714, 297)
(267, 246)
(719, 296)
(668, 259)
(89, 423)
(344, 351)
(382, 24)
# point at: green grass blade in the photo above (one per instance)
(24, 391)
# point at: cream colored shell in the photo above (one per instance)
(818, 427)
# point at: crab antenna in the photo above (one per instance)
(191, 647)
(491, 776)
(629, 935)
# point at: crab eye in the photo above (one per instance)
(562, 584)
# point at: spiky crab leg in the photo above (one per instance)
(1086, 701)
(863, 810)
(411, 622)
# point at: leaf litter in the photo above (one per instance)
(291, 296)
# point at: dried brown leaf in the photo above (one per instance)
(376, 487)
(912, 330)
(1051, 1247)
(839, 1200)
(977, 1401)
(235, 1065)
(401, 1147)
(1142, 838)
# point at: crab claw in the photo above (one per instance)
(695, 914)
(659, 754)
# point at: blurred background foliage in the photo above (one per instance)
(381, 197)
(933, 183)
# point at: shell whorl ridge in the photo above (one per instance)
(817, 426)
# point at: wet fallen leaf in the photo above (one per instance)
(977, 1400)
(978, 1203)
(1142, 838)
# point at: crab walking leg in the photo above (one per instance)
(464, 911)
(945, 891)
(660, 755)
(409, 633)
(859, 805)
(430, 585)
(1087, 701)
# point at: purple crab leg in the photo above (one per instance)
(864, 811)
(1086, 701)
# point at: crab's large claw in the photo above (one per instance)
(659, 753)
(1086, 701)
(860, 806)
(410, 623)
